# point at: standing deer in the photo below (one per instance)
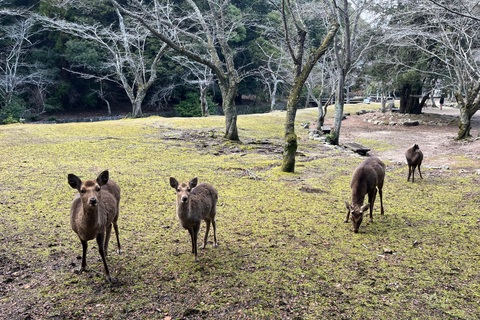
(93, 212)
(194, 204)
(367, 177)
(414, 159)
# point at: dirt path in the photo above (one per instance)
(435, 135)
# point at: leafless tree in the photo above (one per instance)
(349, 49)
(274, 72)
(14, 77)
(451, 37)
(126, 46)
(198, 75)
(201, 33)
(295, 37)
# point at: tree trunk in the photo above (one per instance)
(409, 101)
(290, 147)
(203, 100)
(273, 95)
(230, 111)
(467, 110)
(339, 104)
(137, 108)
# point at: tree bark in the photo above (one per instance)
(339, 105)
(467, 110)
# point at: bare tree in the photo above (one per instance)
(125, 45)
(322, 83)
(200, 76)
(274, 71)
(348, 51)
(295, 34)
(451, 38)
(14, 77)
(202, 34)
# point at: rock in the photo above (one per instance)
(392, 123)
(387, 250)
(411, 123)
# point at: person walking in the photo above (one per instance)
(442, 100)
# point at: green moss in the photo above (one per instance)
(284, 251)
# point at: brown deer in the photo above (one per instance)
(93, 212)
(414, 159)
(367, 177)
(194, 204)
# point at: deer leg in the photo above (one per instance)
(195, 237)
(371, 199)
(413, 174)
(115, 226)
(100, 239)
(107, 239)
(381, 201)
(193, 240)
(84, 256)
(420, 172)
(214, 233)
(409, 171)
(206, 234)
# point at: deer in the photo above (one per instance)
(414, 159)
(366, 179)
(194, 203)
(93, 212)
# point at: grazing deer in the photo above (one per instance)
(367, 177)
(93, 212)
(194, 204)
(414, 159)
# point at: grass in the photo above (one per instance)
(284, 252)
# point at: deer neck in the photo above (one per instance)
(183, 209)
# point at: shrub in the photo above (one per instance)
(13, 111)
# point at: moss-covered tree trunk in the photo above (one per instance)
(467, 109)
(301, 73)
(290, 147)
(228, 94)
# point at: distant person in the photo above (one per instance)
(442, 100)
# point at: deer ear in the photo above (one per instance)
(349, 208)
(193, 183)
(173, 183)
(365, 207)
(74, 181)
(102, 178)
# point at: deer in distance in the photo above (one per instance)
(366, 179)
(414, 160)
(93, 212)
(194, 203)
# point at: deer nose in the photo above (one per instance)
(184, 199)
(93, 201)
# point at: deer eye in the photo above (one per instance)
(178, 189)
(188, 189)
(98, 189)
(82, 191)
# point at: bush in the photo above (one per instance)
(190, 106)
(13, 111)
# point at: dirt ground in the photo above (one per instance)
(435, 135)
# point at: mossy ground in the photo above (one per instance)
(284, 251)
